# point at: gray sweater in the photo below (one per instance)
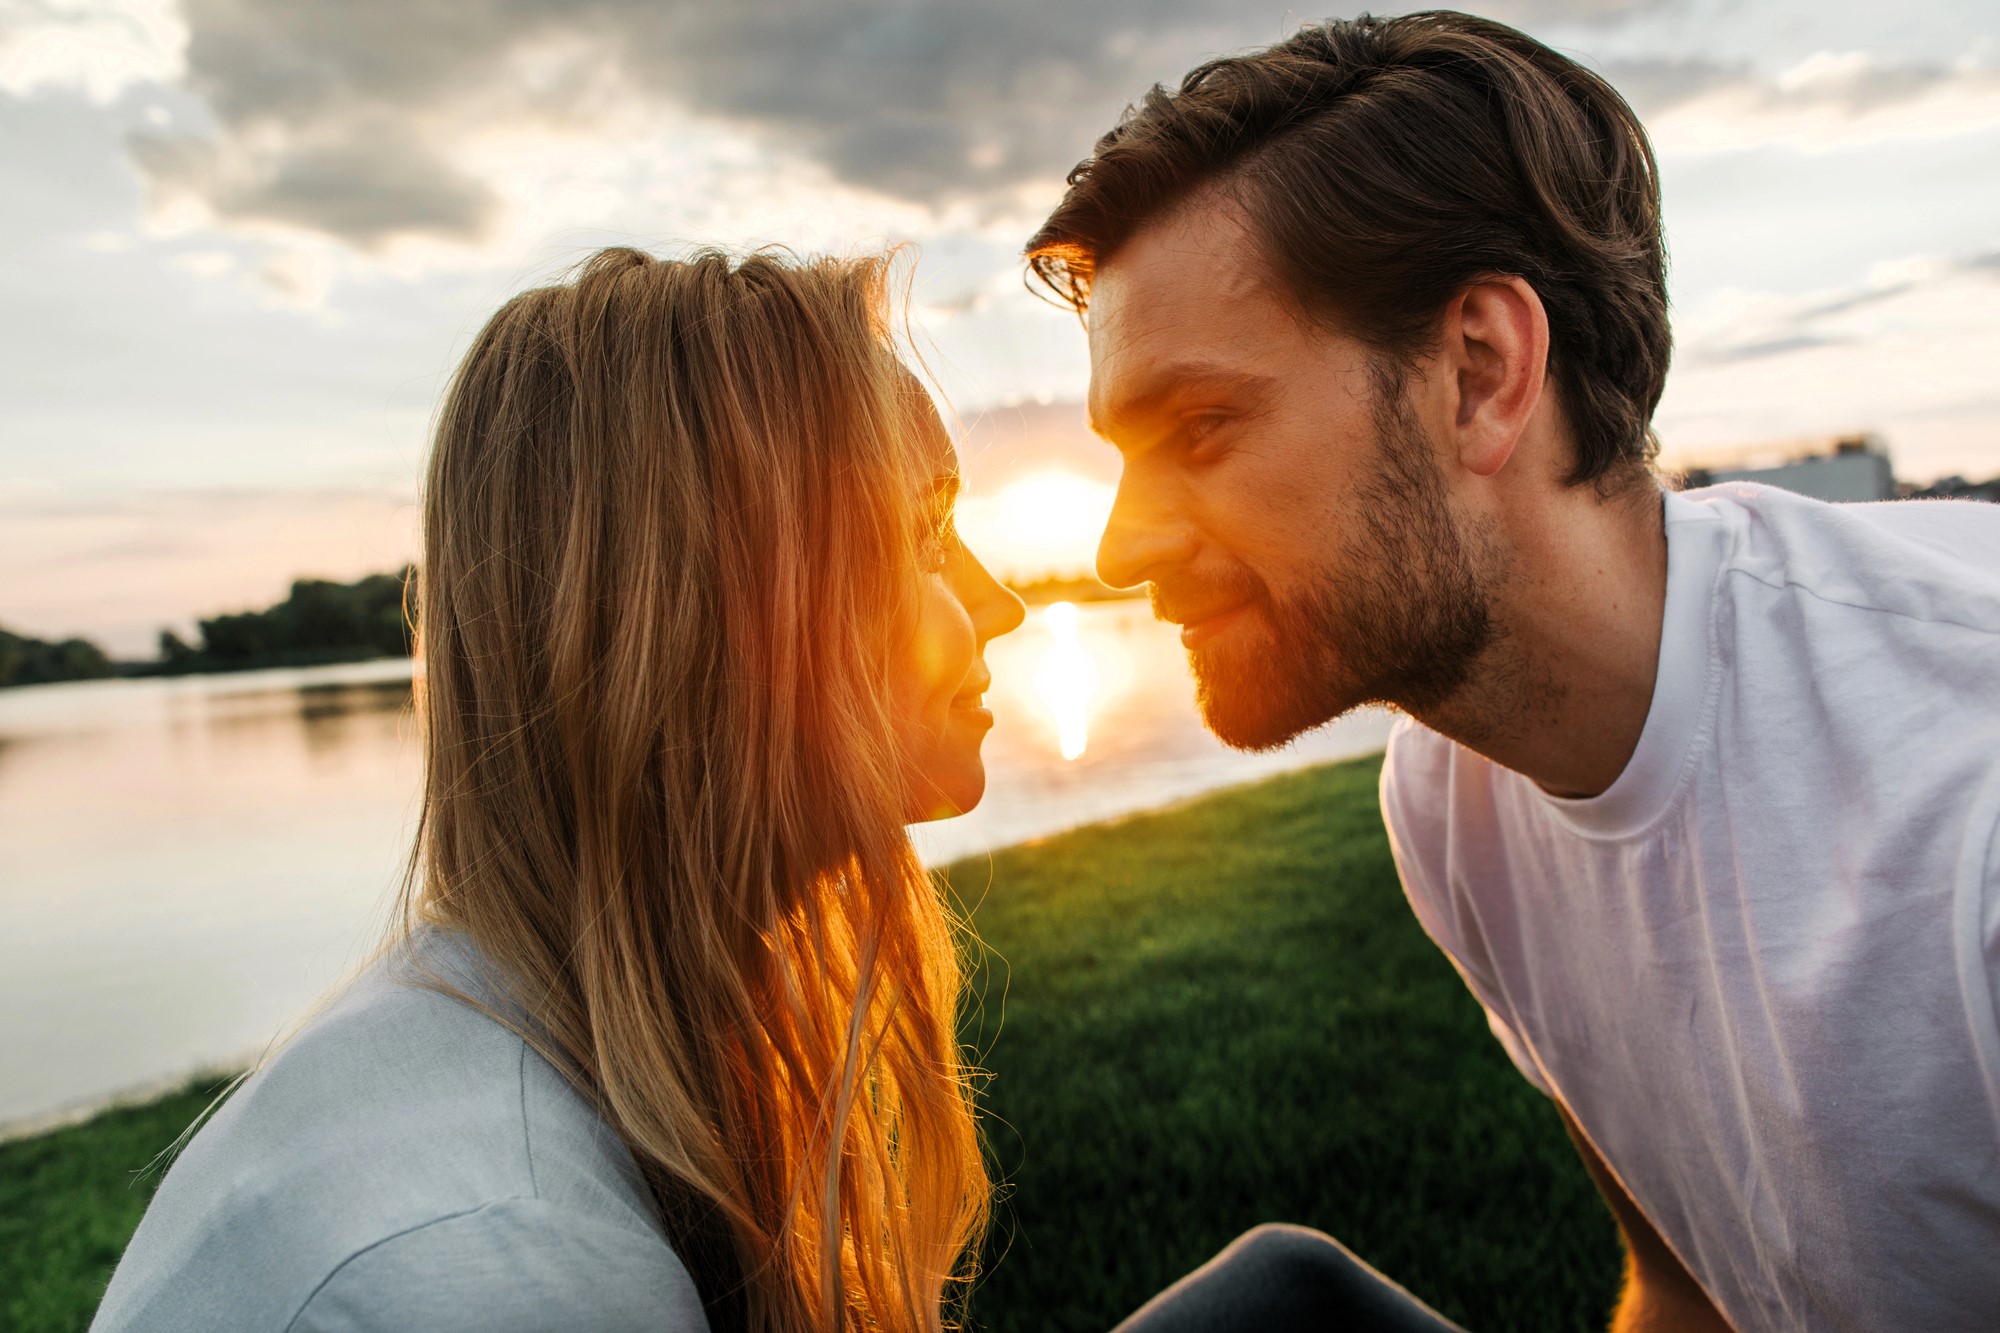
(406, 1162)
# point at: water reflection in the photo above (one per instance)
(1094, 717)
(331, 713)
(1067, 680)
(185, 865)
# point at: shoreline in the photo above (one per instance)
(274, 806)
(153, 1089)
(130, 1098)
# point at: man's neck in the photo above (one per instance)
(1561, 694)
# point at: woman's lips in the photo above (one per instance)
(971, 702)
(972, 711)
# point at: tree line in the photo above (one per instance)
(319, 621)
(31, 661)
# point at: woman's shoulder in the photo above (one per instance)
(405, 1161)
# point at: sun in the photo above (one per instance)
(1046, 522)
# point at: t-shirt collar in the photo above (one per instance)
(1697, 541)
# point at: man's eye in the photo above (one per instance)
(1201, 430)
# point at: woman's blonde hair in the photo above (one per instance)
(672, 523)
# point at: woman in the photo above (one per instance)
(669, 1031)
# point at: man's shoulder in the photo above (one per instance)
(1421, 772)
(1920, 562)
(1426, 780)
(1890, 613)
(1415, 758)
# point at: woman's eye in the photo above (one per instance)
(938, 548)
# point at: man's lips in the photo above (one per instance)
(1200, 627)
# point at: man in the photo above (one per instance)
(1698, 791)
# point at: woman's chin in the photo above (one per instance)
(949, 797)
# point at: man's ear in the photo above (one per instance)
(1495, 346)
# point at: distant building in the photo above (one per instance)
(1849, 468)
(1956, 488)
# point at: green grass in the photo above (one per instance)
(1196, 1020)
(1223, 1014)
(69, 1201)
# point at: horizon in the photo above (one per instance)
(235, 299)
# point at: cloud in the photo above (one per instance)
(363, 183)
(203, 263)
(1738, 326)
(96, 47)
(1826, 102)
(1656, 85)
(354, 118)
(348, 118)
(1908, 352)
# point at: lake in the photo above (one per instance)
(187, 864)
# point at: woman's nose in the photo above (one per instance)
(996, 608)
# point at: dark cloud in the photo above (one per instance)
(361, 184)
(1851, 84)
(340, 115)
(1653, 86)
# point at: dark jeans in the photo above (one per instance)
(1275, 1279)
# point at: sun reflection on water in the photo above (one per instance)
(1066, 679)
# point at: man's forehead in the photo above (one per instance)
(1185, 303)
(1202, 253)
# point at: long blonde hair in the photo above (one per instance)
(672, 523)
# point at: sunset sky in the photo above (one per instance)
(243, 241)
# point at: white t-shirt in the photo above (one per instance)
(1760, 970)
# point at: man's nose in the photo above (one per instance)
(1142, 536)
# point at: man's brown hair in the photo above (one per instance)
(1389, 163)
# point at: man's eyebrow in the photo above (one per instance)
(1170, 382)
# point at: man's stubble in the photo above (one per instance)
(1400, 615)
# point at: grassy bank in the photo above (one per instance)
(1196, 1020)
(1224, 1014)
(69, 1201)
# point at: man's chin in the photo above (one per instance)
(1252, 707)
(1255, 728)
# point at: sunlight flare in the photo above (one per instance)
(1046, 522)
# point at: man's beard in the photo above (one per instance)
(1400, 616)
